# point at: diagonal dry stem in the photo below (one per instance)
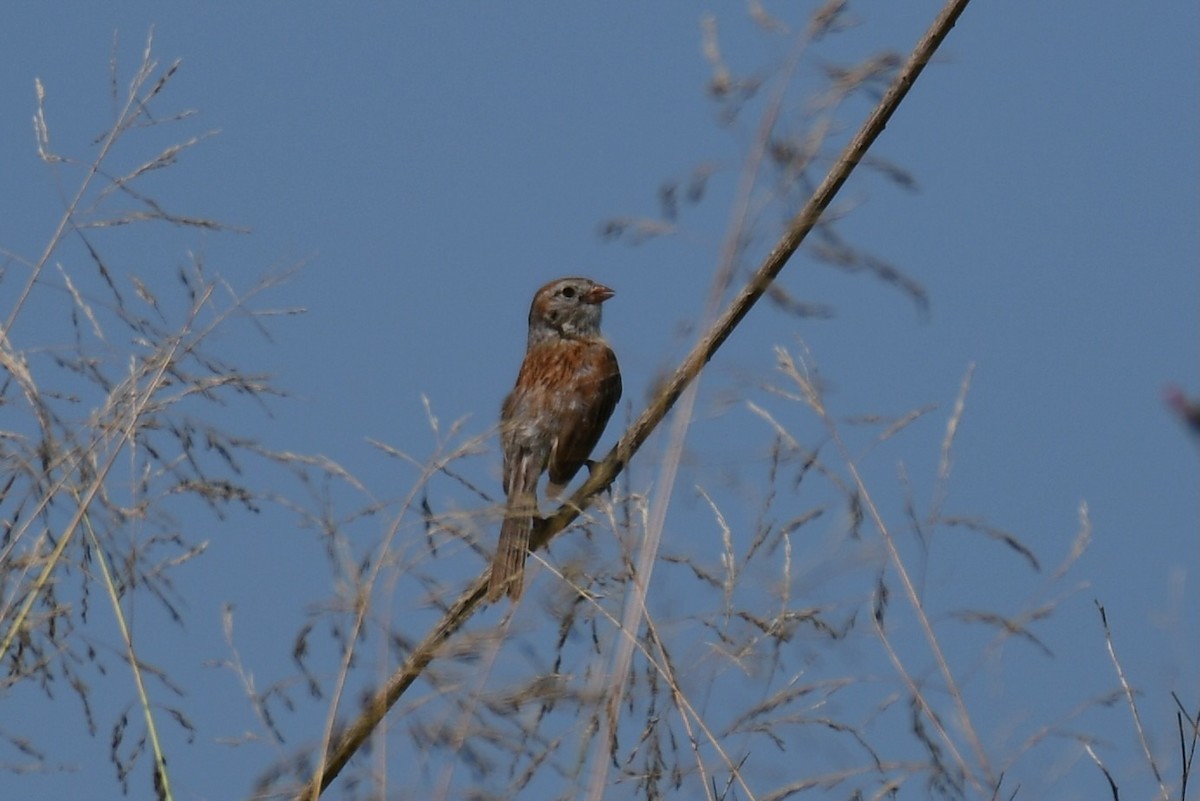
(1131, 700)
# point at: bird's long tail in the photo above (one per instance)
(508, 566)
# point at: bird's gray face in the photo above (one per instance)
(568, 308)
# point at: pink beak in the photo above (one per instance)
(598, 294)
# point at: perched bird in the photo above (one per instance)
(567, 388)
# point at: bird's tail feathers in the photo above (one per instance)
(508, 566)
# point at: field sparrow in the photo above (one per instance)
(566, 390)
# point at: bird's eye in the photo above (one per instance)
(567, 292)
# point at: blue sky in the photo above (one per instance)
(429, 167)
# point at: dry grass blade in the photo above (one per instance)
(1010, 626)
(81, 304)
(946, 460)
(1112, 784)
(905, 421)
(162, 781)
(606, 471)
(1187, 751)
(1083, 538)
(1131, 700)
(996, 534)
